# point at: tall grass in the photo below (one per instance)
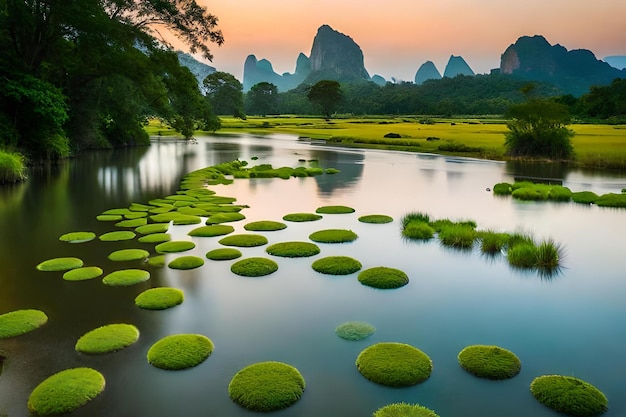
(12, 167)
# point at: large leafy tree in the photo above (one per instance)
(262, 99)
(327, 95)
(225, 94)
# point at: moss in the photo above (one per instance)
(128, 255)
(548, 255)
(157, 261)
(264, 226)
(60, 264)
(82, 274)
(109, 338)
(132, 223)
(117, 236)
(109, 217)
(301, 217)
(126, 277)
(192, 211)
(174, 246)
(213, 230)
(165, 217)
(136, 215)
(159, 298)
(394, 364)
(149, 229)
(186, 219)
(117, 212)
(20, 322)
(611, 200)
(254, 267)
(186, 262)
(333, 236)
(584, 197)
(503, 188)
(355, 330)
(246, 240)
(77, 237)
(334, 210)
(569, 395)
(404, 410)
(66, 391)
(331, 171)
(376, 219)
(293, 249)
(155, 238)
(490, 362)
(266, 386)
(138, 207)
(383, 277)
(223, 254)
(336, 265)
(224, 218)
(559, 193)
(180, 351)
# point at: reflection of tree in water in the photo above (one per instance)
(539, 170)
(349, 163)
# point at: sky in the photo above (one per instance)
(397, 36)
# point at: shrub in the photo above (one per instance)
(186, 262)
(20, 322)
(490, 362)
(301, 217)
(180, 351)
(293, 249)
(82, 274)
(159, 298)
(12, 167)
(355, 330)
(559, 193)
(254, 267)
(383, 277)
(376, 219)
(336, 265)
(246, 240)
(60, 264)
(569, 395)
(416, 217)
(109, 338)
(394, 364)
(333, 236)
(404, 410)
(126, 277)
(223, 254)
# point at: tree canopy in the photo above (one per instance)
(225, 94)
(327, 95)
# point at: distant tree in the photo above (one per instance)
(538, 128)
(605, 102)
(262, 99)
(327, 95)
(225, 93)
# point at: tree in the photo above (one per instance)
(327, 95)
(262, 99)
(225, 93)
(538, 128)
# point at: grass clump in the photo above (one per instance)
(523, 255)
(569, 395)
(490, 362)
(334, 210)
(126, 277)
(404, 410)
(416, 226)
(503, 188)
(584, 197)
(458, 235)
(336, 265)
(155, 238)
(394, 364)
(254, 267)
(186, 262)
(149, 229)
(265, 226)
(223, 254)
(159, 298)
(12, 167)
(246, 240)
(266, 386)
(20, 322)
(65, 391)
(180, 351)
(383, 277)
(293, 249)
(301, 217)
(60, 264)
(611, 200)
(355, 330)
(174, 246)
(129, 255)
(492, 242)
(77, 237)
(109, 338)
(212, 230)
(376, 219)
(117, 236)
(82, 274)
(333, 236)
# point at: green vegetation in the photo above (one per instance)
(82, 274)
(132, 223)
(490, 362)
(293, 249)
(155, 237)
(128, 255)
(355, 330)
(126, 277)
(224, 218)
(416, 226)
(246, 240)
(254, 267)
(159, 298)
(117, 236)
(186, 262)
(376, 218)
(211, 231)
(383, 277)
(109, 338)
(611, 200)
(149, 229)
(492, 242)
(333, 236)
(157, 261)
(266, 386)
(394, 364)
(77, 237)
(326, 95)
(334, 210)
(19, 322)
(180, 351)
(223, 254)
(183, 219)
(336, 265)
(404, 410)
(584, 197)
(174, 246)
(12, 167)
(569, 395)
(301, 217)
(502, 188)
(65, 391)
(108, 217)
(457, 235)
(60, 264)
(264, 226)
(526, 254)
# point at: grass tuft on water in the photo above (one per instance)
(212, 230)
(186, 262)
(293, 249)
(333, 236)
(334, 210)
(383, 277)
(355, 330)
(126, 277)
(569, 395)
(394, 364)
(245, 240)
(301, 217)
(159, 298)
(254, 267)
(336, 265)
(265, 226)
(109, 338)
(223, 254)
(19, 322)
(180, 351)
(404, 410)
(491, 362)
(376, 219)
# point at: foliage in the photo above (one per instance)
(327, 95)
(225, 94)
(333, 236)
(502, 188)
(605, 102)
(18, 322)
(293, 249)
(12, 166)
(301, 217)
(383, 277)
(394, 364)
(569, 395)
(355, 330)
(457, 235)
(159, 298)
(490, 362)
(418, 230)
(262, 99)
(404, 410)
(336, 265)
(180, 351)
(109, 338)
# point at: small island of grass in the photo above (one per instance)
(244, 240)
(159, 298)
(293, 249)
(336, 265)
(223, 254)
(404, 410)
(20, 322)
(265, 226)
(109, 338)
(355, 330)
(490, 362)
(383, 277)
(394, 364)
(180, 351)
(301, 217)
(254, 267)
(333, 236)
(126, 277)
(334, 210)
(569, 395)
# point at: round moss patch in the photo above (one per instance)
(394, 364)
(117, 236)
(212, 230)
(186, 219)
(254, 267)
(82, 274)
(66, 391)
(224, 218)
(383, 277)
(301, 217)
(157, 261)
(333, 236)
(223, 254)
(376, 219)
(245, 240)
(109, 338)
(266, 386)
(132, 223)
(155, 238)
(126, 277)
(159, 298)
(180, 351)
(293, 249)
(149, 229)
(336, 265)
(128, 255)
(265, 226)
(175, 246)
(569, 395)
(60, 264)
(186, 262)
(20, 322)
(490, 362)
(109, 217)
(334, 210)
(77, 237)
(355, 330)
(404, 410)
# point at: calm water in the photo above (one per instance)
(573, 324)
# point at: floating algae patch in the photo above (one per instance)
(136, 215)
(132, 222)
(109, 217)
(126, 277)
(155, 238)
(569, 395)
(492, 362)
(77, 237)
(333, 236)
(174, 246)
(334, 210)
(153, 228)
(223, 254)
(301, 217)
(354, 330)
(138, 207)
(180, 351)
(60, 264)
(265, 226)
(65, 391)
(404, 410)
(109, 338)
(266, 386)
(376, 219)
(383, 277)
(20, 322)
(160, 298)
(394, 364)
(82, 274)
(116, 212)
(183, 219)
(157, 261)
(336, 265)
(186, 262)
(166, 217)
(293, 249)
(128, 255)
(192, 211)
(246, 240)
(224, 218)
(212, 230)
(117, 236)
(254, 267)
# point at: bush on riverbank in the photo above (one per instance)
(12, 167)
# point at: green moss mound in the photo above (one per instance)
(149, 229)
(20, 322)
(132, 223)
(66, 391)
(159, 298)
(333, 236)
(490, 362)
(376, 219)
(223, 254)
(224, 218)
(128, 255)
(404, 410)
(293, 249)
(126, 277)
(174, 246)
(265, 226)
(394, 364)
(355, 330)
(301, 217)
(584, 197)
(245, 240)
(82, 274)
(336, 265)
(212, 230)
(417, 230)
(569, 395)
(109, 338)
(254, 267)
(155, 238)
(266, 386)
(117, 236)
(157, 261)
(611, 200)
(60, 264)
(180, 351)
(186, 262)
(503, 188)
(109, 217)
(334, 210)
(77, 237)
(383, 277)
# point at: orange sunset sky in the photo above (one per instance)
(397, 36)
